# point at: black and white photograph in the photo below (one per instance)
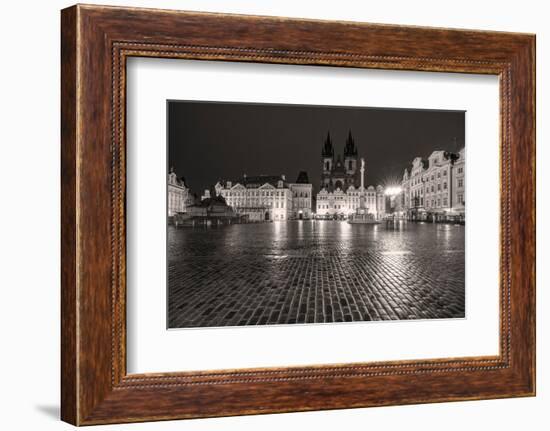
(295, 214)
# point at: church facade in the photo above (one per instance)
(340, 185)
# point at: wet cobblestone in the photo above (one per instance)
(314, 272)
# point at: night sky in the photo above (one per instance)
(208, 141)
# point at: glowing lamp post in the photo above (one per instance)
(391, 192)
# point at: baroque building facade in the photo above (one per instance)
(267, 197)
(434, 189)
(340, 185)
(178, 194)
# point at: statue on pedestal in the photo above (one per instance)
(362, 215)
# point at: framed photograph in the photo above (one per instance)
(266, 215)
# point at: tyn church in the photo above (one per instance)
(339, 173)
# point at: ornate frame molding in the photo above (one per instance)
(96, 41)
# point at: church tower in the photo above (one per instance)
(327, 156)
(350, 159)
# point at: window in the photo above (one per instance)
(327, 166)
(444, 173)
(461, 183)
(445, 186)
(460, 170)
(439, 187)
(350, 165)
(445, 202)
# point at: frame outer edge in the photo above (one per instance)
(532, 202)
(69, 197)
(523, 216)
(87, 397)
(533, 54)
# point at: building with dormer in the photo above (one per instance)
(266, 197)
(433, 189)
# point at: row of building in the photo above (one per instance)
(434, 189)
(431, 189)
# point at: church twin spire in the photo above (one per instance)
(340, 172)
(350, 150)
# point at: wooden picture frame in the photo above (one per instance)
(95, 43)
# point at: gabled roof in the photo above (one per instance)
(267, 186)
(238, 186)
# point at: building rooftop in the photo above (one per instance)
(217, 200)
(256, 181)
(302, 178)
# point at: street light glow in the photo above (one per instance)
(393, 191)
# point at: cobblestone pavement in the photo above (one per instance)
(314, 272)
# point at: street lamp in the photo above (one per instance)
(392, 191)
